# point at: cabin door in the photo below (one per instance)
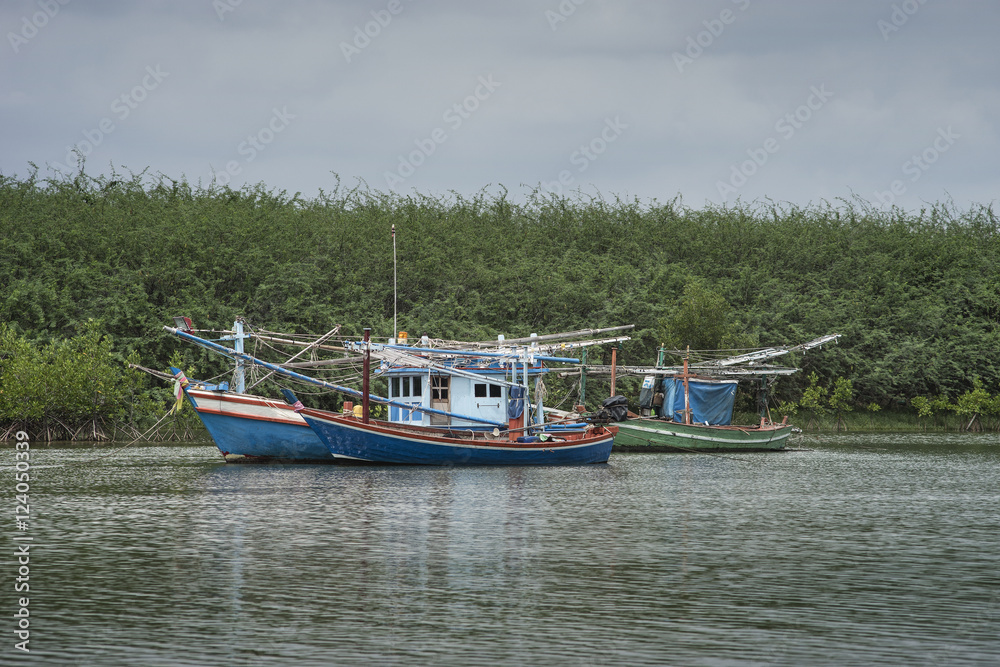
(440, 399)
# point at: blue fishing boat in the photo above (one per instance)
(348, 437)
(254, 428)
(495, 426)
(484, 388)
(246, 427)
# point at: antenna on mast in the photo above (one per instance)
(395, 329)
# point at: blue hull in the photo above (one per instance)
(350, 438)
(252, 437)
(244, 426)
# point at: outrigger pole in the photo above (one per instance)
(233, 354)
(448, 352)
(557, 336)
(395, 331)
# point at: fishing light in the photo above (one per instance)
(183, 324)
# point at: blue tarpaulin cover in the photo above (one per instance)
(711, 400)
(516, 404)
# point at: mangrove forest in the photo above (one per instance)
(92, 268)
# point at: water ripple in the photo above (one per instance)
(866, 550)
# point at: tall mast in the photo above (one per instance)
(614, 368)
(687, 392)
(365, 380)
(395, 330)
(239, 376)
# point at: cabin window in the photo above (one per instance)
(404, 387)
(439, 388)
(483, 390)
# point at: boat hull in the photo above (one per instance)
(662, 435)
(253, 428)
(350, 438)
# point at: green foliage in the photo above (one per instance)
(840, 399)
(814, 400)
(699, 320)
(183, 416)
(67, 387)
(787, 408)
(814, 396)
(873, 408)
(702, 319)
(916, 296)
(922, 406)
(973, 403)
(991, 410)
(940, 403)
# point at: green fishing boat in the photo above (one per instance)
(655, 434)
(690, 408)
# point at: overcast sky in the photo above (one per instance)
(893, 101)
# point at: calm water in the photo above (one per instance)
(866, 550)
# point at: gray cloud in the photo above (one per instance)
(714, 101)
